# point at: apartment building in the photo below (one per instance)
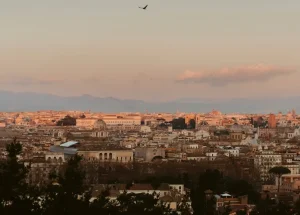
(289, 183)
(114, 120)
(266, 160)
(94, 153)
(235, 203)
(211, 156)
(231, 152)
(172, 194)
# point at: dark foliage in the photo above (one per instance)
(260, 122)
(67, 121)
(179, 123)
(192, 124)
(16, 197)
(278, 171)
(68, 193)
(221, 132)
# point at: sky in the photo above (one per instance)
(175, 49)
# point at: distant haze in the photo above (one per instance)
(33, 102)
(175, 49)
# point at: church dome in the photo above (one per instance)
(100, 124)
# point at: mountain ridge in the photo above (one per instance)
(30, 101)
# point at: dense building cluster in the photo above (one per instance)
(252, 143)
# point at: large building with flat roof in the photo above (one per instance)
(106, 154)
(115, 120)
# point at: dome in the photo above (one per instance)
(100, 124)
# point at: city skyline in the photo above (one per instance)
(114, 49)
(147, 106)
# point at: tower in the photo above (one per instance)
(294, 113)
(272, 121)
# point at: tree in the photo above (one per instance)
(297, 206)
(136, 204)
(242, 212)
(16, 197)
(67, 121)
(179, 123)
(278, 171)
(67, 194)
(192, 124)
(209, 180)
(102, 205)
(226, 210)
(184, 208)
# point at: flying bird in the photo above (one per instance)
(144, 8)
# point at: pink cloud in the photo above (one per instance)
(224, 76)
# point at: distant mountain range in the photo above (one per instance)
(10, 101)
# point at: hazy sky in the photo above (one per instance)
(175, 49)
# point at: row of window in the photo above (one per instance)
(108, 156)
(60, 159)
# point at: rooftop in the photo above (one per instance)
(98, 147)
(69, 144)
(70, 151)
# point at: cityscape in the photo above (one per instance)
(163, 154)
(142, 107)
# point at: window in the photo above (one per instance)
(105, 156)
(110, 156)
(100, 156)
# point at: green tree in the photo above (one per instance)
(192, 124)
(240, 188)
(296, 207)
(16, 197)
(136, 204)
(227, 210)
(242, 212)
(278, 171)
(184, 208)
(178, 123)
(66, 121)
(67, 194)
(209, 180)
(103, 205)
